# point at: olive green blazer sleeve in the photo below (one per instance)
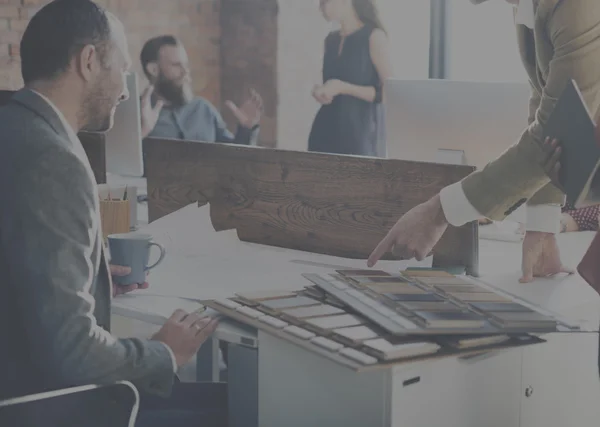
(567, 43)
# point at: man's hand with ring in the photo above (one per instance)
(184, 334)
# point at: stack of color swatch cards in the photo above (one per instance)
(370, 318)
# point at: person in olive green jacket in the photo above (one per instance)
(559, 40)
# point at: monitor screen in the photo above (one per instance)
(427, 120)
(124, 139)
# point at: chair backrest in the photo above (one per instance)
(93, 143)
(114, 405)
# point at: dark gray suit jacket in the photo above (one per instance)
(55, 287)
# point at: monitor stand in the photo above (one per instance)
(451, 157)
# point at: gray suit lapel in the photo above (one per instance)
(35, 103)
(38, 105)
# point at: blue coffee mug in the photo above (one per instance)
(133, 250)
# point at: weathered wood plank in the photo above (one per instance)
(330, 204)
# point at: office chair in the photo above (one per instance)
(114, 405)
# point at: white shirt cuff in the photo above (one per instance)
(543, 218)
(457, 208)
(175, 367)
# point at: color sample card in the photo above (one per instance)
(443, 281)
(400, 351)
(430, 306)
(452, 319)
(426, 273)
(280, 304)
(358, 356)
(327, 344)
(354, 273)
(461, 288)
(250, 312)
(356, 333)
(314, 292)
(478, 297)
(334, 322)
(265, 295)
(313, 311)
(403, 322)
(369, 280)
(414, 297)
(340, 284)
(359, 295)
(400, 288)
(474, 342)
(299, 332)
(276, 323)
(228, 303)
(500, 307)
(520, 317)
(330, 299)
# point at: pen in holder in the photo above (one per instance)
(115, 217)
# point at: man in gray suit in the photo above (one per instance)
(55, 280)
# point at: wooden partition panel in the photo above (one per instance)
(322, 203)
(93, 143)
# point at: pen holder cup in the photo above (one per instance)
(115, 217)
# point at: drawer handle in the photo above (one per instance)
(411, 381)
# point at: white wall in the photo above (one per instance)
(407, 24)
(482, 43)
(302, 31)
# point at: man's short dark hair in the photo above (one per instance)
(152, 48)
(57, 32)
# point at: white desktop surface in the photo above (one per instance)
(204, 264)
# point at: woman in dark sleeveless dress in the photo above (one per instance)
(356, 62)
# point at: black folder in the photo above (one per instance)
(573, 126)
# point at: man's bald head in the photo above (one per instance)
(78, 51)
(58, 32)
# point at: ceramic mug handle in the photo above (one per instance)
(163, 252)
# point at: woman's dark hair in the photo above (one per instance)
(367, 12)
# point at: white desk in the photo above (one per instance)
(549, 385)
(552, 384)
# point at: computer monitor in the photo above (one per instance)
(124, 140)
(447, 121)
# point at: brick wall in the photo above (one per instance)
(195, 22)
(276, 47)
(273, 46)
(249, 37)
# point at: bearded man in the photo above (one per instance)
(169, 108)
